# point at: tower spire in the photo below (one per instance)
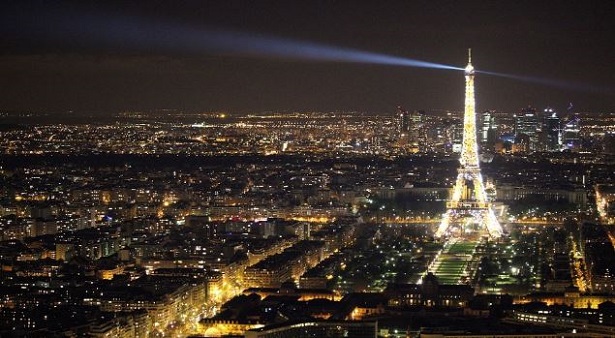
(469, 55)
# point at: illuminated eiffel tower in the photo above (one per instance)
(469, 204)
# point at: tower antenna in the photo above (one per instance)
(469, 55)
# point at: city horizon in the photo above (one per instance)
(190, 58)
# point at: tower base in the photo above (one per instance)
(469, 223)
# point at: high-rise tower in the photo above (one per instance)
(469, 204)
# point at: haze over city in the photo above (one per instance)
(235, 56)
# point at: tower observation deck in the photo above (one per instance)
(469, 208)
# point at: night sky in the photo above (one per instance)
(107, 56)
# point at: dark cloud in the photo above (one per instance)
(110, 56)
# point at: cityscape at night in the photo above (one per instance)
(306, 169)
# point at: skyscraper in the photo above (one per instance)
(488, 131)
(416, 126)
(403, 120)
(570, 135)
(527, 127)
(469, 207)
(552, 130)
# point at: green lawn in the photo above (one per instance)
(453, 261)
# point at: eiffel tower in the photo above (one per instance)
(469, 204)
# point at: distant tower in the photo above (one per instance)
(469, 201)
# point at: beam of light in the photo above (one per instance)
(96, 30)
(552, 82)
(80, 29)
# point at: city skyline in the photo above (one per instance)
(86, 57)
(214, 222)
